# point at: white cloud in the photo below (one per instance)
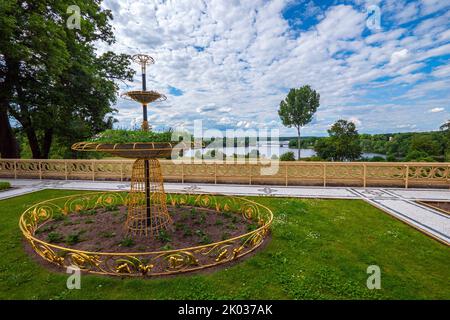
(430, 6)
(235, 61)
(355, 120)
(442, 71)
(436, 110)
(207, 108)
(399, 56)
(408, 12)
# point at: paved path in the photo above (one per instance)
(400, 203)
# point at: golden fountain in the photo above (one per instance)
(147, 210)
(147, 216)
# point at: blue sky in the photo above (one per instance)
(230, 63)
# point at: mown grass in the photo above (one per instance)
(320, 249)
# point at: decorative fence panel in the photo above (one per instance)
(366, 174)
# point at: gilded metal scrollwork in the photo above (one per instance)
(146, 263)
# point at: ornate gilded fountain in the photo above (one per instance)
(147, 210)
(150, 217)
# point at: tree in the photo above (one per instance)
(342, 144)
(345, 139)
(287, 156)
(298, 108)
(446, 129)
(324, 149)
(425, 144)
(52, 82)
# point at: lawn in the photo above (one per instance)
(320, 249)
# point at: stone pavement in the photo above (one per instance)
(399, 203)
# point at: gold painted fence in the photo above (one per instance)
(366, 174)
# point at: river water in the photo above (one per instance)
(268, 150)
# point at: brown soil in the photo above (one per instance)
(103, 230)
(445, 206)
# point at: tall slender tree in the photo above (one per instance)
(52, 81)
(298, 109)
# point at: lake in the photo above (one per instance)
(268, 150)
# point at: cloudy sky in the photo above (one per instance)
(230, 63)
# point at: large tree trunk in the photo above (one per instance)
(27, 125)
(47, 143)
(33, 142)
(8, 142)
(298, 142)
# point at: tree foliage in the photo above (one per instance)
(53, 83)
(343, 143)
(287, 156)
(298, 109)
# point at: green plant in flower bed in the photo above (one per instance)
(226, 236)
(72, 238)
(163, 236)
(107, 234)
(112, 208)
(204, 238)
(126, 136)
(91, 212)
(53, 237)
(58, 216)
(127, 242)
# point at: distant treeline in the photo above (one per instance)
(410, 146)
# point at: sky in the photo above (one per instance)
(382, 64)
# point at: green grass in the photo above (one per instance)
(4, 185)
(320, 249)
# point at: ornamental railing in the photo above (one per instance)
(298, 173)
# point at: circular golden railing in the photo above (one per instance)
(146, 263)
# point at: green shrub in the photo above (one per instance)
(112, 207)
(163, 236)
(125, 136)
(178, 226)
(288, 156)
(226, 236)
(187, 232)
(227, 214)
(4, 185)
(72, 239)
(44, 229)
(107, 234)
(54, 237)
(202, 218)
(58, 216)
(91, 212)
(166, 247)
(204, 238)
(127, 242)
